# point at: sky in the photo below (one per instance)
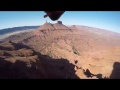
(109, 20)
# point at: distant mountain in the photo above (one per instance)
(14, 29)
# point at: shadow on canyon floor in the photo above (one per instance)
(116, 71)
(44, 68)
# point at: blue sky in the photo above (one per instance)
(109, 20)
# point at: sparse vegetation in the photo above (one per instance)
(75, 51)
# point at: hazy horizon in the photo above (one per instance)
(108, 20)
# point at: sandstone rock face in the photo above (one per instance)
(58, 51)
(60, 22)
(46, 26)
(56, 26)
